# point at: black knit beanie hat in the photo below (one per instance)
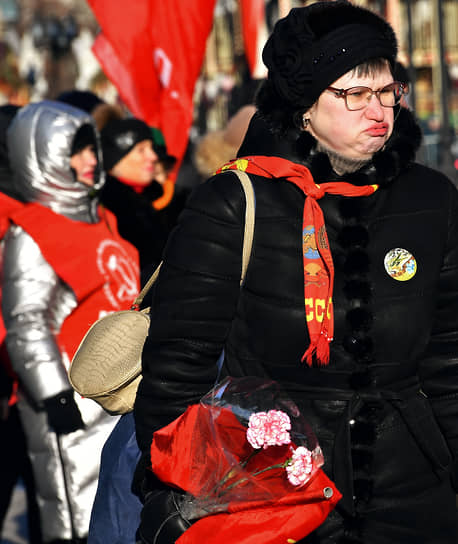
(312, 47)
(120, 136)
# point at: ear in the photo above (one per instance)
(306, 116)
(312, 108)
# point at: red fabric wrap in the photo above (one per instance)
(318, 264)
(100, 267)
(7, 207)
(135, 185)
(274, 524)
(185, 455)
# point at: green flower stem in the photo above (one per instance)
(234, 484)
(230, 474)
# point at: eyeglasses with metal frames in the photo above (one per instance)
(357, 98)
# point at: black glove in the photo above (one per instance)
(161, 521)
(63, 414)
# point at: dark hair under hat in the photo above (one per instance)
(84, 136)
(401, 73)
(120, 136)
(312, 47)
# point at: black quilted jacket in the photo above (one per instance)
(385, 410)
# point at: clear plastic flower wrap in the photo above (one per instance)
(245, 447)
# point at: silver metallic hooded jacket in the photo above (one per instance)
(39, 145)
(35, 301)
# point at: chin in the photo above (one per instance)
(355, 155)
(372, 148)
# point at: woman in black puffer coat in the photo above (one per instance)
(385, 404)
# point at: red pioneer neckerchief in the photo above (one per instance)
(135, 185)
(318, 265)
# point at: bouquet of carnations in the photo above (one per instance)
(249, 465)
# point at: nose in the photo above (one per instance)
(151, 154)
(374, 109)
(91, 157)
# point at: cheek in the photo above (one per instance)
(334, 133)
(390, 120)
(74, 162)
(141, 164)
(330, 122)
(89, 162)
(132, 165)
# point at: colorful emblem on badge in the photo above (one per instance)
(400, 264)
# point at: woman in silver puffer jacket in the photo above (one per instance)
(64, 265)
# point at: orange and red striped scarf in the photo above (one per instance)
(317, 258)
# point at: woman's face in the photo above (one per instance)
(353, 134)
(84, 163)
(138, 164)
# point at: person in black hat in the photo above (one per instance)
(350, 297)
(130, 161)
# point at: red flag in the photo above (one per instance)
(246, 503)
(254, 31)
(152, 51)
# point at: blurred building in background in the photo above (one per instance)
(45, 48)
(428, 33)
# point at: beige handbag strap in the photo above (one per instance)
(249, 221)
(247, 236)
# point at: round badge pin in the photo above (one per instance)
(400, 264)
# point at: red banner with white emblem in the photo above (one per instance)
(152, 51)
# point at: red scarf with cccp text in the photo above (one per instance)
(317, 258)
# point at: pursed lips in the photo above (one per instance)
(378, 129)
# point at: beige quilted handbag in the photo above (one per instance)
(107, 364)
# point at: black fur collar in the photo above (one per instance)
(385, 166)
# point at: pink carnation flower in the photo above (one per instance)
(268, 429)
(300, 467)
